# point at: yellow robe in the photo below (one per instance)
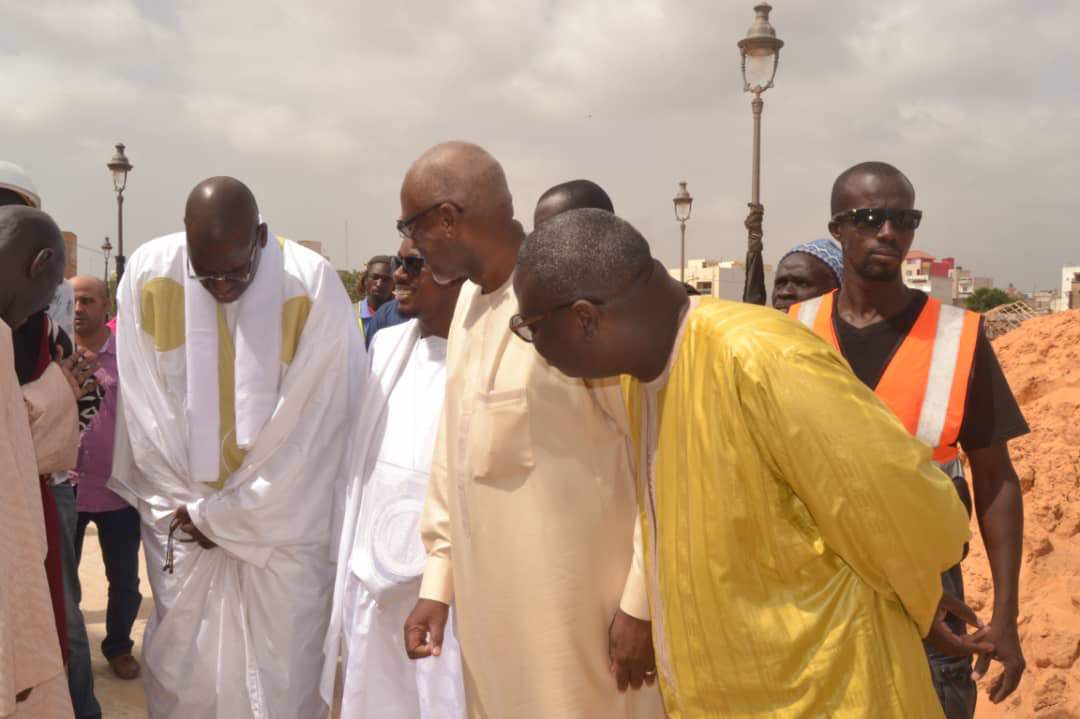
(529, 525)
(794, 531)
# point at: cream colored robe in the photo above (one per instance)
(529, 525)
(29, 649)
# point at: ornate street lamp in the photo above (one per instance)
(120, 167)
(760, 51)
(106, 248)
(683, 203)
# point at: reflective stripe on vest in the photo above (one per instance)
(925, 383)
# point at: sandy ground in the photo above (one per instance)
(119, 699)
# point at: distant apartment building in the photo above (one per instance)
(923, 272)
(942, 279)
(1044, 301)
(720, 278)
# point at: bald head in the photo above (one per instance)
(457, 208)
(32, 261)
(224, 235)
(221, 202)
(867, 176)
(461, 172)
(571, 195)
(90, 285)
(91, 310)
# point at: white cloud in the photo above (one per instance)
(321, 106)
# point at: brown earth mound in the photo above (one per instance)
(1041, 359)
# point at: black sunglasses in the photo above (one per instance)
(405, 227)
(867, 218)
(412, 264)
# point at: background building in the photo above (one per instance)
(942, 279)
(720, 278)
(71, 247)
(922, 272)
(1070, 289)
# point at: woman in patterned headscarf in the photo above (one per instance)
(808, 270)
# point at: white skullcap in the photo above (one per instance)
(14, 178)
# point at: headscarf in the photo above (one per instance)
(827, 251)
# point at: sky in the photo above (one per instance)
(320, 107)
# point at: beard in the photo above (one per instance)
(877, 272)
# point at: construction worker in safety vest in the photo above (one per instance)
(933, 366)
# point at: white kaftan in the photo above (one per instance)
(236, 629)
(381, 557)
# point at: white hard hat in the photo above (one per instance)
(14, 178)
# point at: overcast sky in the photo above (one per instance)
(321, 106)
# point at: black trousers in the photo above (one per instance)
(118, 535)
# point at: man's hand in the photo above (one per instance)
(78, 370)
(942, 638)
(630, 650)
(182, 521)
(424, 628)
(1006, 640)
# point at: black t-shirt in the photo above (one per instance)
(991, 415)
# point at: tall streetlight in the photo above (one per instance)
(683, 203)
(106, 248)
(120, 167)
(760, 51)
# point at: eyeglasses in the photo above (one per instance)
(522, 326)
(241, 277)
(412, 264)
(872, 218)
(405, 227)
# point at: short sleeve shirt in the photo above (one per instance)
(991, 415)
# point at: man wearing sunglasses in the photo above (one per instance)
(933, 366)
(239, 355)
(790, 566)
(530, 514)
(381, 557)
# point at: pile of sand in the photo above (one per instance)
(1042, 362)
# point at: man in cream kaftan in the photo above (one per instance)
(529, 525)
(381, 557)
(236, 630)
(530, 514)
(33, 682)
(29, 650)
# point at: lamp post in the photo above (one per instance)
(120, 167)
(760, 52)
(106, 248)
(683, 203)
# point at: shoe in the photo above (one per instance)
(125, 666)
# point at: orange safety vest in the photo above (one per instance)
(926, 382)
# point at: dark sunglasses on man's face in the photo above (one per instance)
(412, 264)
(872, 218)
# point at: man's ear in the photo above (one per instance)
(261, 234)
(41, 262)
(587, 316)
(834, 230)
